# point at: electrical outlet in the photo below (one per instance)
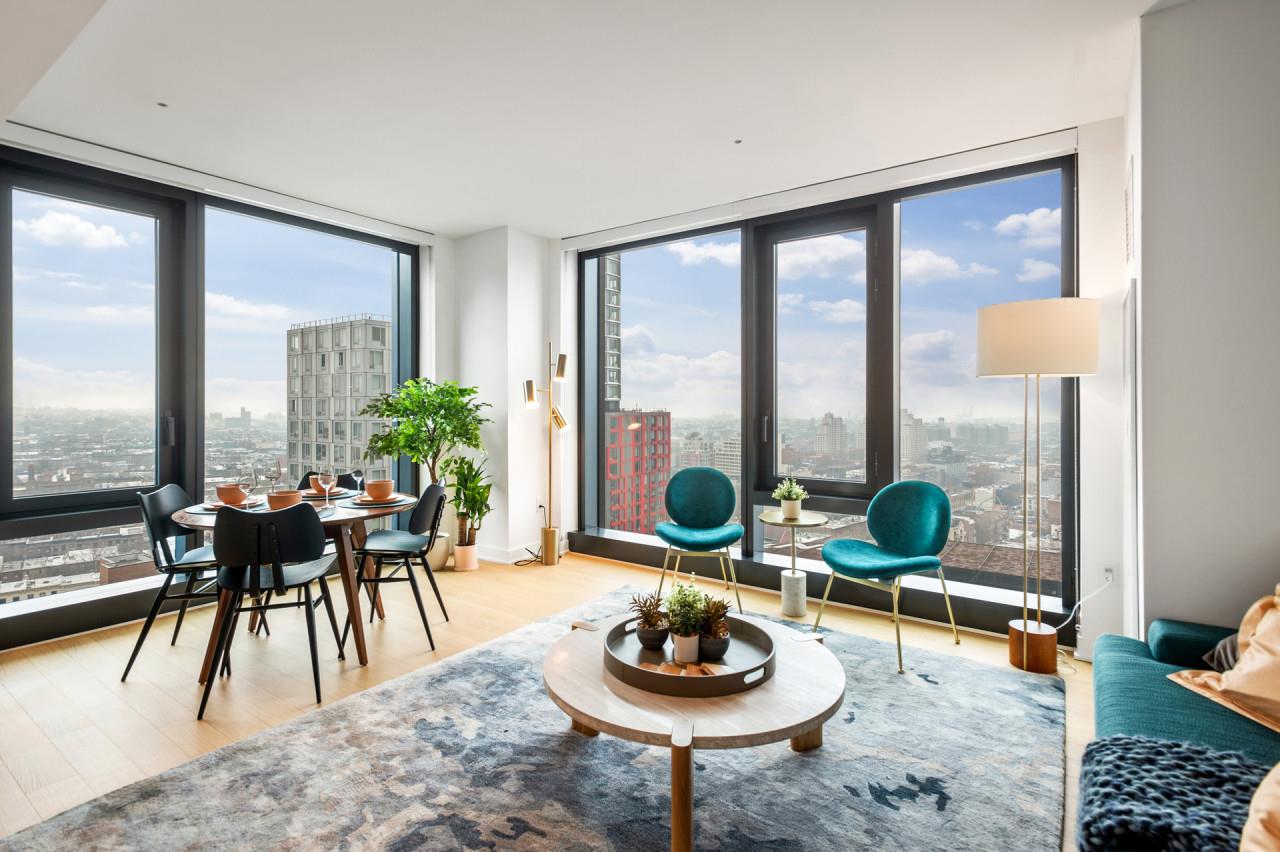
(1109, 574)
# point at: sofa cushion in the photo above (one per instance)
(1184, 643)
(1140, 793)
(1133, 696)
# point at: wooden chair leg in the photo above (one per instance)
(822, 607)
(309, 607)
(955, 631)
(224, 633)
(431, 577)
(146, 625)
(662, 578)
(417, 596)
(897, 624)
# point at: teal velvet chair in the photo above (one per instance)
(700, 502)
(909, 521)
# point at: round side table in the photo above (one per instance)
(795, 602)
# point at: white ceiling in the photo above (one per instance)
(567, 116)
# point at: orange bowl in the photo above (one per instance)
(284, 499)
(230, 494)
(315, 484)
(379, 489)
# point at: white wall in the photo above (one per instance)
(1100, 195)
(1210, 306)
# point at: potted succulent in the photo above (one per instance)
(651, 621)
(790, 493)
(713, 633)
(684, 617)
(426, 421)
(471, 487)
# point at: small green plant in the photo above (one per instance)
(789, 489)
(684, 609)
(471, 487)
(715, 613)
(648, 610)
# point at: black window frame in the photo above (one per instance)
(180, 379)
(758, 235)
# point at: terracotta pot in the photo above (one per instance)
(791, 509)
(284, 499)
(379, 489)
(231, 494)
(686, 648)
(464, 557)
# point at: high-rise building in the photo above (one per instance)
(833, 440)
(335, 368)
(915, 439)
(695, 451)
(728, 457)
(637, 467)
(612, 332)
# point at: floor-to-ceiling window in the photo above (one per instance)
(670, 319)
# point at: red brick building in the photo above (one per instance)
(637, 467)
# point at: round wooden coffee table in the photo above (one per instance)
(806, 690)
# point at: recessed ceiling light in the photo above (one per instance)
(162, 104)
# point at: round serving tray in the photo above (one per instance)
(749, 662)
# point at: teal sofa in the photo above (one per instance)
(1133, 696)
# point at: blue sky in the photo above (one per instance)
(84, 290)
(980, 245)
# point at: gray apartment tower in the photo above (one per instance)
(335, 367)
(612, 332)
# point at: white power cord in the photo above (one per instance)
(1076, 608)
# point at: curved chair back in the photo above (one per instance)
(345, 480)
(426, 515)
(700, 498)
(157, 514)
(253, 540)
(910, 518)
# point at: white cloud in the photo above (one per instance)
(921, 265)
(842, 311)
(75, 284)
(973, 224)
(637, 340)
(1037, 270)
(820, 257)
(1041, 228)
(934, 346)
(692, 254)
(37, 385)
(116, 314)
(60, 228)
(695, 386)
(231, 313)
(789, 302)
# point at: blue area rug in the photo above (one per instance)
(471, 754)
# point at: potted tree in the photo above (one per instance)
(684, 617)
(713, 633)
(471, 487)
(790, 493)
(426, 421)
(651, 621)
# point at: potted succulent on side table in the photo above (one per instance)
(471, 487)
(713, 638)
(790, 493)
(651, 621)
(684, 617)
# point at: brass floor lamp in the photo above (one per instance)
(1036, 338)
(556, 366)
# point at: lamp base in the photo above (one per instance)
(1041, 644)
(550, 546)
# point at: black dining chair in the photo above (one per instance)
(345, 480)
(192, 568)
(269, 552)
(401, 547)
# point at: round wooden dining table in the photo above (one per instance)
(345, 525)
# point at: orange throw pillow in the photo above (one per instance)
(1252, 687)
(1262, 830)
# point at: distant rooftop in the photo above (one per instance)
(335, 320)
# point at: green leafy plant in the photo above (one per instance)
(648, 609)
(684, 609)
(471, 488)
(789, 489)
(427, 421)
(715, 613)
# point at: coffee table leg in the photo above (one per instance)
(807, 741)
(583, 729)
(682, 786)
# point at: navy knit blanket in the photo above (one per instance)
(1138, 793)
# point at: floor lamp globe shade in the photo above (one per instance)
(1044, 337)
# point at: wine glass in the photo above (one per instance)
(326, 482)
(275, 472)
(247, 480)
(358, 476)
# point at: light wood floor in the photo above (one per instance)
(70, 731)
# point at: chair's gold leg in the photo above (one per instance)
(723, 574)
(954, 630)
(733, 574)
(675, 575)
(823, 605)
(897, 627)
(663, 577)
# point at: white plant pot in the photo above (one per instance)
(791, 509)
(464, 557)
(438, 555)
(686, 648)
